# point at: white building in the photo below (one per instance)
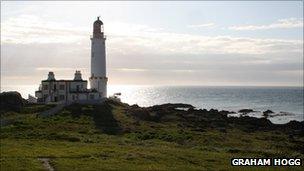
(98, 77)
(60, 91)
(65, 91)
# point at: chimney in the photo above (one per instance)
(77, 75)
(51, 76)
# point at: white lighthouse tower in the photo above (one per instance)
(98, 79)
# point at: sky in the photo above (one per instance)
(155, 43)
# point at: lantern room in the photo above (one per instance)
(98, 29)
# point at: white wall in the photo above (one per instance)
(98, 78)
(98, 57)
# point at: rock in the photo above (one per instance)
(225, 112)
(251, 124)
(203, 111)
(171, 106)
(11, 101)
(202, 119)
(245, 111)
(283, 114)
(295, 125)
(267, 112)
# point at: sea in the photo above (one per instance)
(287, 103)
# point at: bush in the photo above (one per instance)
(11, 101)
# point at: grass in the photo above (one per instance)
(105, 137)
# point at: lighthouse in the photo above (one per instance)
(98, 79)
(61, 91)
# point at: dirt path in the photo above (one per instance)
(46, 163)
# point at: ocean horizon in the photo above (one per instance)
(286, 102)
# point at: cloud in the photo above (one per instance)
(57, 69)
(131, 69)
(206, 25)
(174, 43)
(26, 29)
(155, 70)
(183, 70)
(125, 38)
(279, 24)
(17, 77)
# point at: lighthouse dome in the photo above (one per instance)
(98, 29)
(98, 22)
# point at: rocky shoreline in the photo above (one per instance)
(200, 119)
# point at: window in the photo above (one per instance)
(61, 87)
(61, 97)
(54, 86)
(73, 97)
(45, 87)
(45, 96)
(77, 88)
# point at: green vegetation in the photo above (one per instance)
(110, 137)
